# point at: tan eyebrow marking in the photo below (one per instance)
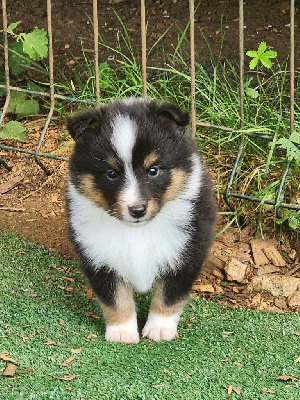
(150, 159)
(112, 162)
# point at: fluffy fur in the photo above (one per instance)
(141, 211)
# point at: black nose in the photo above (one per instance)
(137, 211)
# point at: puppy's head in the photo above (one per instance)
(131, 157)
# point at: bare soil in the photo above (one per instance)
(32, 204)
(215, 20)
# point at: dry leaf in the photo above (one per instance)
(52, 342)
(297, 359)
(76, 351)
(10, 370)
(287, 378)
(67, 362)
(296, 333)
(4, 357)
(92, 315)
(89, 294)
(232, 389)
(26, 371)
(268, 391)
(54, 198)
(67, 278)
(66, 377)
(90, 336)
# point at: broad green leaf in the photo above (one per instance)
(12, 27)
(270, 54)
(251, 93)
(27, 107)
(292, 151)
(251, 53)
(261, 48)
(295, 137)
(13, 130)
(265, 61)
(35, 44)
(253, 63)
(15, 99)
(16, 63)
(294, 221)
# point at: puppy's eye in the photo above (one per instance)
(153, 171)
(111, 174)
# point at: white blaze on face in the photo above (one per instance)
(123, 140)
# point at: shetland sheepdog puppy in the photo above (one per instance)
(141, 211)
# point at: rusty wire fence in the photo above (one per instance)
(228, 194)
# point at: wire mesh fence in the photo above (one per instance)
(228, 193)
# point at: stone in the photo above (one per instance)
(277, 285)
(294, 299)
(205, 288)
(259, 256)
(235, 270)
(266, 269)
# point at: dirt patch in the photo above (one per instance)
(215, 20)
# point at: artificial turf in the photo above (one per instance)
(50, 326)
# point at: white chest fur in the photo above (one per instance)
(137, 253)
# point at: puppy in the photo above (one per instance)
(141, 211)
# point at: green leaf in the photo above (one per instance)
(16, 97)
(252, 53)
(27, 107)
(295, 137)
(16, 63)
(13, 130)
(265, 61)
(35, 44)
(292, 151)
(270, 54)
(251, 93)
(261, 48)
(253, 63)
(12, 27)
(294, 221)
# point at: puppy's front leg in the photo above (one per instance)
(120, 319)
(116, 300)
(163, 318)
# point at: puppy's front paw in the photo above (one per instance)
(124, 333)
(159, 327)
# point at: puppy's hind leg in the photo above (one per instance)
(163, 318)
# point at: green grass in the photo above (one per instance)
(43, 301)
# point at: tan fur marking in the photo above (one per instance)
(152, 208)
(150, 160)
(178, 181)
(87, 188)
(124, 309)
(112, 162)
(158, 305)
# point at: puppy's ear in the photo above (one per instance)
(171, 112)
(81, 122)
